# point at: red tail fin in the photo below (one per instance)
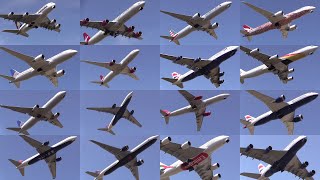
(175, 75)
(247, 28)
(101, 77)
(86, 37)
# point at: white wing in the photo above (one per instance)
(294, 167)
(270, 157)
(269, 15)
(117, 152)
(105, 109)
(36, 144)
(268, 101)
(183, 155)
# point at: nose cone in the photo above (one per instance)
(226, 4)
(142, 3)
(225, 96)
(73, 138)
(314, 48)
(311, 7)
(72, 52)
(233, 48)
(135, 52)
(62, 93)
(313, 94)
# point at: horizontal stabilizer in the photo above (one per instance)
(101, 84)
(165, 115)
(245, 122)
(15, 31)
(94, 174)
(83, 43)
(253, 175)
(180, 85)
(17, 163)
(107, 130)
(170, 38)
(11, 79)
(18, 130)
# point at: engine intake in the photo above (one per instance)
(10, 14)
(216, 177)
(254, 51)
(197, 98)
(131, 112)
(207, 114)
(140, 162)
(298, 118)
(311, 173)
(197, 60)
(215, 166)
(249, 147)
(274, 57)
(46, 143)
(304, 165)
(58, 159)
(35, 107)
(40, 57)
(60, 73)
(268, 149)
(57, 26)
(221, 74)
(125, 148)
(186, 145)
(196, 16)
(25, 14)
(214, 25)
(166, 140)
(114, 106)
(278, 14)
(280, 99)
(53, 21)
(132, 70)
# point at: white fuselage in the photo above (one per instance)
(43, 12)
(294, 56)
(208, 148)
(119, 22)
(124, 63)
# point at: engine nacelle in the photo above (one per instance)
(57, 26)
(249, 147)
(84, 21)
(53, 21)
(60, 73)
(196, 16)
(207, 114)
(268, 149)
(140, 162)
(280, 99)
(40, 57)
(131, 29)
(221, 81)
(58, 159)
(277, 14)
(114, 106)
(35, 107)
(254, 51)
(274, 57)
(46, 143)
(311, 173)
(138, 34)
(132, 70)
(125, 148)
(186, 145)
(291, 70)
(197, 98)
(166, 140)
(221, 74)
(131, 112)
(298, 118)
(112, 62)
(197, 60)
(25, 14)
(56, 115)
(292, 28)
(216, 177)
(290, 78)
(304, 165)
(215, 166)
(178, 58)
(10, 14)
(214, 25)
(105, 22)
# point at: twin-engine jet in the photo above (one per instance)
(208, 68)
(277, 20)
(197, 106)
(118, 112)
(191, 158)
(38, 113)
(279, 109)
(25, 22)
(45, 152)
(197, 23)
(116, 68)
(39, 66)
(274, 64)
(279, 160)
(124, 158)
(113, 28)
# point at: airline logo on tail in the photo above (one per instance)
(261, 167)
(247, 28)
(175, 75)
(173, 34)
(14, 73)
(101, 78)
(86, 37)
(248, 118)
(20, 123)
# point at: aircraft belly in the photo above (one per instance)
(184, 32)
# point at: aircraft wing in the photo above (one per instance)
(46, 24)
(127, 71)
(52, 165)
(97, 25)
(269, 15)
(20, 18)
(40, 147)
(214, 76)
(133, 168)
(22, 110)
(260, 154)
(53, 80)
(106, 109)
(108, 65)
(127, 115)
(187, 19)
(288, 122)
(268, 101)
(199, 119)
(211, 32)
(55, 122)
(294, 167)
(191, 63)
(204, 170)
(183, 155)
(190, 98)
(117, 152)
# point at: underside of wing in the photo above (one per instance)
(192, 100)
(23, 110)
(40, 147)
(21, 17)
(55, 122)
(260, 154)
(190, 63)
(211, 32)
(296, 167)
(268, 101)
(100, 25)
(109, 65)
(272, 17)
(110, 110)
(204, 170)
(52, 165)
(184, 18)
(25, 58)
(127, 115)
(288, 122)
(130, 72)
(117, 152)
(133, 168)
(199, 119)
(53, 80)
(214, 77)
(50, 25)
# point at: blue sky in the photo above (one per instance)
(304, 72)
(96, 158)
(230, 67)
(146, 21)
(254, 107)
(222, 120)
(69, 81)
(228, 22)
(68, 108)
(144, 103)
(66, 13)
(307, 153)
(302, 35)
(226, 156)
(67, 167)
(146, 62)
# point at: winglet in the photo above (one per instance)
(107, 130)
(17, 164)
(94, 174)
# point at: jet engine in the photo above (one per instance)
(165, 141)
(57, 26)
(298, 118)
(60, 73)
(131, 112)
(214, 25)
(84, 21)
(278, 14)
(291, 70)
(132, 70)
(104, 22)
(125, 148)
(25, 14)
(197, 98)
(274, 57)
(131, 29)
(197, 60)
(138, 34)
(292, 28)
(40, 57)
(46, 143)
(10, 14)
(178, 58)
(207, 114)
(56, 115)
(58, 159)
(216, 177)
(254, 51)
(249, 147)
(114, 106)
(35, 107)
(304, 165)
(215, 166)
(221, 82)
(140, 162)
(290, 78)
(311, 173)
(221, 74)
(53, 21)
(196, 16)
(280, 99)
(185, 145)
(268, 149)
(112, 62)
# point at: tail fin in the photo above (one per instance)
(260, 168)
(18, 24)
(101, 82)
(163, 167)
(241, 78)
(18, 129)
(14, 74)
(17, 164)
(175, 75)
(86, 38)
(107, 130)
(16, 31)
(20, 123)
(252, 175)
(172, 37)
(180, 85)
(245, 31)
(165, 115)
(247, 123)
(95, 174)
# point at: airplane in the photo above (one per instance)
(197, 23)
(38, 113)
(197, 105)
(118, 112)
(277, 20)
(275, 64)
(116, 68)
(279, 109)
(25, 22)
(45, 152)
(38, 66)
(279, 160)
(192, 158)
(124, 158)
(209, 68)
(113, 28)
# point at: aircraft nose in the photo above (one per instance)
(136, 51)
(73, 138)
(72, 52)
(311, 7)
(154, 137)
(228, 3)
(63, 93)
(142, 3)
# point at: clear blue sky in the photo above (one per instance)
(305, 74)
(95, 158)
(67, 167)
(69, 81)
(68, 108)
(307, 153)
(227, 31)
(302, 35)
(226, 156)
(144, 103)
(66, 13)
(146, 62)
(254, 107)
(230, 67)
(222, 120)
(146, 21)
